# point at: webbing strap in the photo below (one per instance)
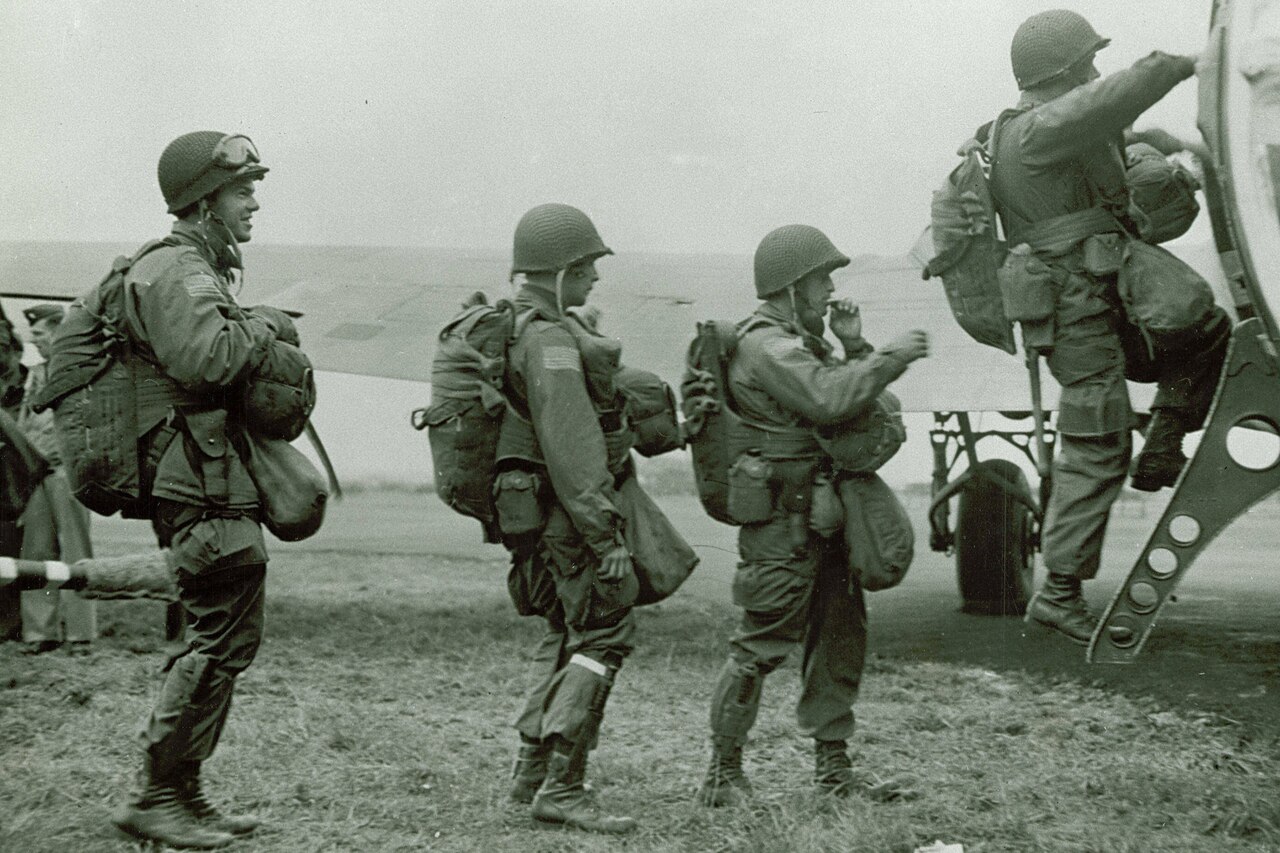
(1062, 232)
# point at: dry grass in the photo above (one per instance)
(376, 719)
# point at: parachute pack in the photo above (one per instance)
(464, 417)
(468, 403)
(92, 391)
(969, 249)
(711, 423)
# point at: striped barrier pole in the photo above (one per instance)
(131, 576)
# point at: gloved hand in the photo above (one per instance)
(908, 347)
(279, 321)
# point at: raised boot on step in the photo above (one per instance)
(1161, 460)
(1060, 605)
(207, 813)
(158, 813)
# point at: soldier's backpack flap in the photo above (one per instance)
(1163, 296)
(661, 557)
(969, 250)
(877, 531)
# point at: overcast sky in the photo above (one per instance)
(684, 126)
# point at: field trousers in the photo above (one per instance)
(1094, 350)
(221, 574)
(590, 632)
(793, 597)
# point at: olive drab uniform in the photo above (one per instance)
(562, 420)
(1058, 179)
(795, 592)
(200, 345)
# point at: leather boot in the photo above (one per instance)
(832, 769)
(725, 783)
(201, 809)
(530, 769)
(1161, 459)
(833, 773)
(1060, 605)
(562, 799)
(158, 814)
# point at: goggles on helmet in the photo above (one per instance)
(234, 152)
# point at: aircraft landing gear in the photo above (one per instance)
(997, 522)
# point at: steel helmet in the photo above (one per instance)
(789, 253)
(1049, 43)
(197, 164)
(553, 237)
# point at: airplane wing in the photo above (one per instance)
(376, 311)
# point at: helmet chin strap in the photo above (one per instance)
(811, 321)
(208, 220)
(560, 290)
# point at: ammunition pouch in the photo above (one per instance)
(519, 499)
(280, 394)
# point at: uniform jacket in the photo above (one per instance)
(183, 319)
(1067, 154)
(564, 402)
(782, 376)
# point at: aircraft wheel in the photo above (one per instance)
(995, 562)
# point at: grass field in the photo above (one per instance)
(375, 719)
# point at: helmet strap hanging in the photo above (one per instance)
(560, 290)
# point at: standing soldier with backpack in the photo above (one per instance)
(192, 350)
(794, 586)
(573, 567)
(1058, 182)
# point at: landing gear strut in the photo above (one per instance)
(998, 520)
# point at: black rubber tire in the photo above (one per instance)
(995, 562)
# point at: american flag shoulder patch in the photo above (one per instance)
(561, 358)
(203, 287)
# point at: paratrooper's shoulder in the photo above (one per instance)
(770, 341)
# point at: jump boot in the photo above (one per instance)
(833, 774)
(563, 798)
(733, 712)
(159, 813)
(725, 783)
(201, 809)
(530, 769)
(1060, 605)
(1161, 459)
(832, 769)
